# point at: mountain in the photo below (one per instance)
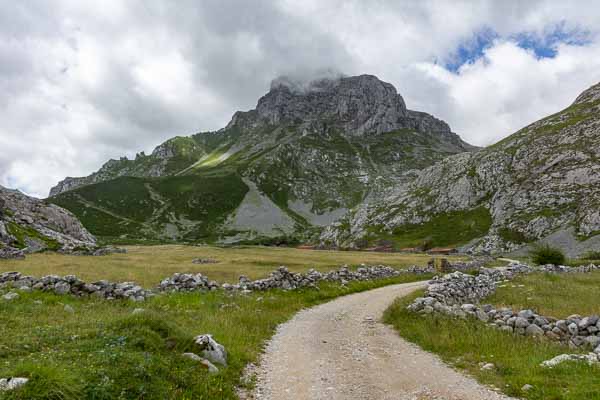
(30, 225)
(540, 184)
(308, 153)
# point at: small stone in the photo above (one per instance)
(487, 367)
(138, 311)
(552, 336)
(527, 387)
(10, 296)
(482, 316)
(212, 369)
(7, 384)
(527, 314)
(562, 325)
(521, 322)
(62, 288)
(573, 329)
(427, 310)
(534, 330)
(69, 309)
(592, 342)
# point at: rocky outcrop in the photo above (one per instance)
(30, 225)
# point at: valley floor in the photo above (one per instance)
(148, 265)
(87, 348)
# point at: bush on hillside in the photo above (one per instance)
(546, 254)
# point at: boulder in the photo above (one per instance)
(534, 330)
(212, 369)
(211, 349)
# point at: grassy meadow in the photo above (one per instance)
(147, 265)
(103, 351)
(467, 344)
(555, 295)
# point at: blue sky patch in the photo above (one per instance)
(543, 45)
(472, 49)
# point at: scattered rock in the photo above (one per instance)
(210, 349)
(526, 388)
(10, 296)
(210, 366)
(7, 384)
(69, 309)
(591, 358)
(487, 366)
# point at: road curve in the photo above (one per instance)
(340, 350)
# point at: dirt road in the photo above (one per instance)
(339, 350)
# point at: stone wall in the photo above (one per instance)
(459, 294)
(282, 278)
(70, 284)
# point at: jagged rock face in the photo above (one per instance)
(306, 153)
(541, 181)
(361, 104)
(356, 105)
(34, 225)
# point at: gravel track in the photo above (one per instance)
(339, 350)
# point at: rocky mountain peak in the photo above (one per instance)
(356, 105)
(590, 95)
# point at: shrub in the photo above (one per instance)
(546, 254)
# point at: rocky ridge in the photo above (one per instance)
(29, 225)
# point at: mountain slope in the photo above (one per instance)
(305, 156)
(30, 225)
(540, 183)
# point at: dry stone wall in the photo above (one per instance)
(459, 294)
(282, 278)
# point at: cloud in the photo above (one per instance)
(510, 87)
(83, 82)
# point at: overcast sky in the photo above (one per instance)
(85, 81)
